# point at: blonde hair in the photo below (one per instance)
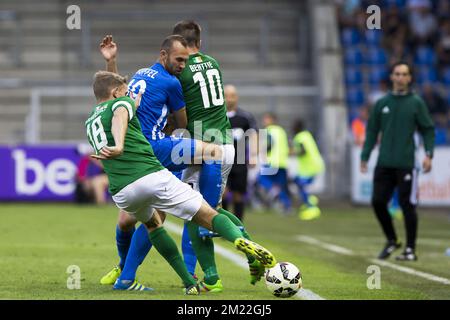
(105, 81)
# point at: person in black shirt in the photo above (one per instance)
(244, 129)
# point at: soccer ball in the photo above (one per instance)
(283, 280)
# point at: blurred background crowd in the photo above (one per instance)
(415, 31)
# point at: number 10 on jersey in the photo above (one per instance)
(215, 87)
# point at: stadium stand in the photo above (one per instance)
(417, 31)
(52, 55)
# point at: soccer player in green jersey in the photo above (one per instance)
(213, 184)
(161, 92)
(142, 187)
(203, 93)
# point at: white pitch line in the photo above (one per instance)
(345, 251)
(240, 261)
(327, 246)
(425, 275)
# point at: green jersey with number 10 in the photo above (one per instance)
(137, 159)
(203, 93)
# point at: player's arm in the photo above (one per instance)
(170, 125)
(426, 129)
(180, 118)
(119, 125)
(177, 105)
(373, 128)
(108, 49)
(122, 114)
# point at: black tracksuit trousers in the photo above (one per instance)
(385, 182)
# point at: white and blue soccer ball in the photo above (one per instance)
(284, 280)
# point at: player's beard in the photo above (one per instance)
(171, 68)
(174, 71)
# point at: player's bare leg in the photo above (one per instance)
(125, 221)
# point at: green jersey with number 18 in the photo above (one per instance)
(203, 94)
(137, 159)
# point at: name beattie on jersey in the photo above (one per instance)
(201, 66)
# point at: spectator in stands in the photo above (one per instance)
(379, 92)
(395, 34)
(92, 182)
(436, 104)
(422, 23)
(438, 111)
(443, 45)
(359, 126)
(346, 10)
(400, 52)
(443, 9)
(361, 20)
(395, 29)
(442, 133)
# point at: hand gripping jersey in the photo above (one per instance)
(137, 159)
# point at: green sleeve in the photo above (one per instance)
(373, 127)
(127, 103)
(426, 127)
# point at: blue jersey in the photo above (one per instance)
(161, 94)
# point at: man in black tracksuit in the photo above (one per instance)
(397, 116)
(244, 126)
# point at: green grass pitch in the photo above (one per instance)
(39, 241)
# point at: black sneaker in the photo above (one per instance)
(407, 255)
(390, 247)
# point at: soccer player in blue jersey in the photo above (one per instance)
(143, 188)
(170, 59)
(161, 93)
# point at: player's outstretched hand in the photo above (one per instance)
(107, 153)
(108, 48)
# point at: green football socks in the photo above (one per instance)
(225, 228)
(204, 250)
(237, 222)
(166, 246)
